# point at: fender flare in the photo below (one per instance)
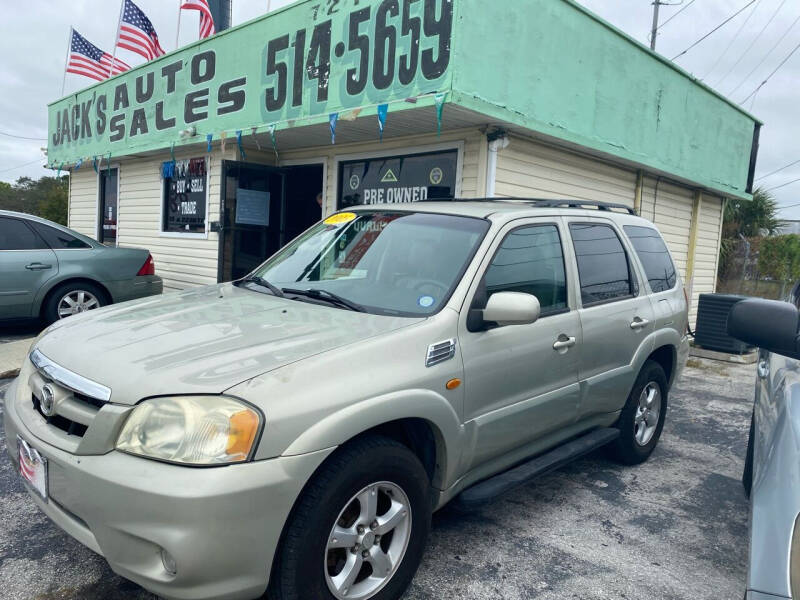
(343, 425)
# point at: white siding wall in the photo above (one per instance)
(709, 230)
(83, 202)
(528, 169)
(670, 208)
(181, 261)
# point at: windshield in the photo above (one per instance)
(401, 263)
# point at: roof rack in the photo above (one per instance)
(547, 203)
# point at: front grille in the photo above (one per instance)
(62, 423)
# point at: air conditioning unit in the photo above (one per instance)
(711, 330)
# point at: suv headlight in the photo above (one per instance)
(193, 430)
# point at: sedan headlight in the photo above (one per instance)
(193, 430)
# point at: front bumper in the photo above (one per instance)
(222, 525)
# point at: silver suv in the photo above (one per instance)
(293, 431)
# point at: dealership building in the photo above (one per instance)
(216, 155)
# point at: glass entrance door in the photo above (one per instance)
(252, 227)
(107, 232)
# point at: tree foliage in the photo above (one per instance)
(779, 257)
(751, 218)
(45, 197)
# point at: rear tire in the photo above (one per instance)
(642, 418)
(311, 561)
(72, 297)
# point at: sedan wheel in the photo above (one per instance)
(368, 541)
(75, 302)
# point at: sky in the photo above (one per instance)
(734, 60)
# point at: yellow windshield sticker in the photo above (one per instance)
(340, 218)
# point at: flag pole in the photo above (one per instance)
(116, 40)
(66, 61)
(178, 33)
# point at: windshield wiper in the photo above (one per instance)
(318, 294)
(264, 283)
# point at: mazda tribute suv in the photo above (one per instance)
(292, 432)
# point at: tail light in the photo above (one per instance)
(149, 267)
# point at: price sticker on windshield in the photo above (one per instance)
(340, 218)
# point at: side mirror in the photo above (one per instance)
(768, 324)
(512, 308)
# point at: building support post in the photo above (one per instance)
(637, 198)
(697, 205)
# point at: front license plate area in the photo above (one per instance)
(32, 467)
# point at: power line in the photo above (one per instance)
(752, 43)
(777, 187)
(790, 206)
(791, 164)
(22, 137)
(20, 166)
(734, 38)
(763, 60)
(763, 83)
(677, 13)
(717, 28)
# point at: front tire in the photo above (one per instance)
(358, 530)
(642, 418)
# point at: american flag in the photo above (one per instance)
(207, 28)
(137, 34)
(88, 60)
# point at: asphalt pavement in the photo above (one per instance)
(673, 528)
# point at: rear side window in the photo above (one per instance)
(15, 235)
(653, 253)
(603, 266)
(530, 260)
(56, 238)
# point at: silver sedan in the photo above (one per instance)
(52, 272)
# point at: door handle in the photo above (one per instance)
(38, 267)
(763, 368)
(563, 342)
(639, 323)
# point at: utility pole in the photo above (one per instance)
(656, 5)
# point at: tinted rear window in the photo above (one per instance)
(56, 238)
(603, 266)
(653, 253)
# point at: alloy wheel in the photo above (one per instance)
(648, 412)
(368, 542)
(75, 302)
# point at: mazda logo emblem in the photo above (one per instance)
(48, 403)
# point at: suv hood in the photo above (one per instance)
(201, 341)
